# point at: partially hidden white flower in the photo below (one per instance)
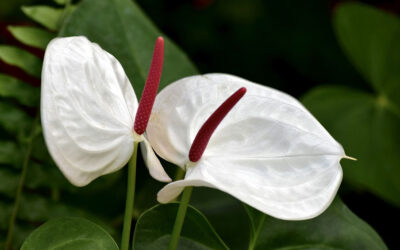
(88, 109)
(268, 152)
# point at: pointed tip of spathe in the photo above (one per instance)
(349, 158)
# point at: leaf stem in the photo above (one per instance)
(65, 13)
(180, 218)
(18, 195)
(257, 232)
(130, 198)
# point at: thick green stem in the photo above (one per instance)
(179, 174)
(130, 198)
(180, 218)
(21, 184)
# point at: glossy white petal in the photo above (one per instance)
(88, 107)
(268, 152)
(153, 163)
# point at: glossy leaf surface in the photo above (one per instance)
(154, 227)
(69, 233)
(127, 33)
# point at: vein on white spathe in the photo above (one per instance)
(88, 107)
(268, 152)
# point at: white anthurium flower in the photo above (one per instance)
(88, 109)
(268, 152)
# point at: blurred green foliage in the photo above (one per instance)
(367, 124)
(285, 44)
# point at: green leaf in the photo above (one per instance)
(14, 120)
(69, 233)
(5, 214)
(10, 153)
(336, 228)
(371, 39)
(46, 176)
(31, 36)
(8, 182)
(21, 58)
(219, 208)
(23, 92)
(368, 129)
(154, 227)
(47, 16)
(122, 29)
(62, 2)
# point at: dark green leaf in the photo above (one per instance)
(154, 227)
(31, 36)
(220, 208)
(69, 233)
(336, 228)
(368, 129)
(5, 214)
(122, 29)
(23, 92)
(10, 153)
(14, 120)
(39, 150)
(47, 16)
(36, 209)
(8, 181)
(45, 175)
(22, 59)
(371, 39)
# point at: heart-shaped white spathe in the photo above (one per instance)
(88, 108)
(268, 152)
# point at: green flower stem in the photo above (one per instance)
(21, 183)
(130, 198)
(179, 174)
(180, 218)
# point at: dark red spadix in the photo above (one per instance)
(150, 88)
(203, 136)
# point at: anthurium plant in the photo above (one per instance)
(116, 92)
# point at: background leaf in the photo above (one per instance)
(371, 39)
(368, 131)
(366, 123)
(225, 213)
(23, 92)
(126, 33)
(47, 16)
(154, 227)
(14, 120)
(22, 59)
(336, 228)
(69, 233)
(32, 36)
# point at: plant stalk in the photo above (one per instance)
(21, 183)
(180, 218)
(130, 198)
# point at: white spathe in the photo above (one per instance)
(88, 107)
(268, 152)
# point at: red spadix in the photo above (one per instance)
(150, 89)
(203, 136)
